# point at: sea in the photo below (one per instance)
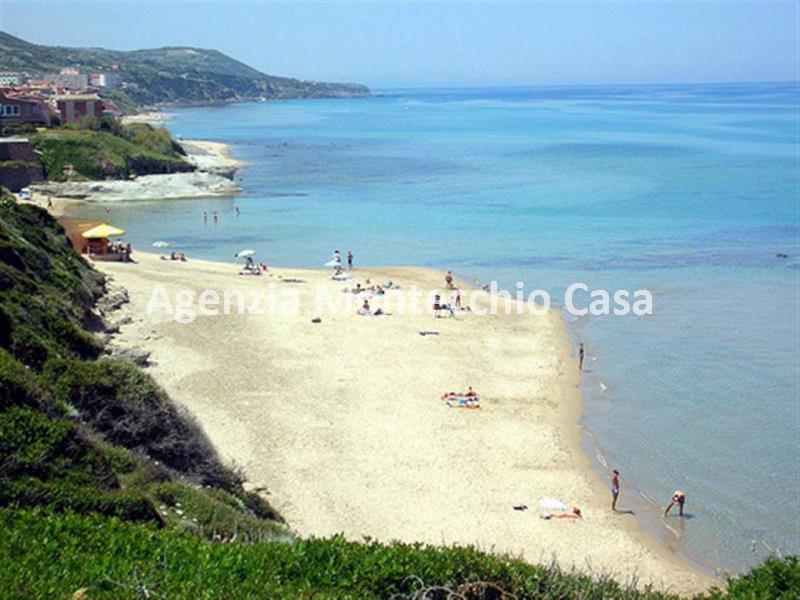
(688, 191)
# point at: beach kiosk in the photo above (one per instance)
(99, 245)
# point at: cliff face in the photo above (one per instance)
(169, 75)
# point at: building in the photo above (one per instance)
(10, 78)
(110, 109)
(105, 80)
(19, 164)
(75, 107)
(16, 110)
(70, 78)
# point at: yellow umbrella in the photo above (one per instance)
(103, 231)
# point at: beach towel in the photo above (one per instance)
(470, 403)
(551, 504)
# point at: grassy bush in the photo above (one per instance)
(104, 154)
(48, 291)
(774, 578)
(118, 400)
(47, 555)
(155, 139)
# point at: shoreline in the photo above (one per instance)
(581, 442)
(555, 404)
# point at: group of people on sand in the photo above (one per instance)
(366, 310)
(441, 308)
(468, 399)
(251, 268)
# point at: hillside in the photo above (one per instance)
(169, 75)
(89, 433)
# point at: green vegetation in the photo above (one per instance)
(47, 555)
(88, 434)
(175, 75)
(107, 488)
(102, 149)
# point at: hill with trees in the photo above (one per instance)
(181, 75)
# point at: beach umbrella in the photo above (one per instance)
(103, 231)
(333, 263)
(160, 244)
(244, 253)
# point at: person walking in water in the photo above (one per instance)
(581, 354)
(216, 218)
(237, 210)
(614, 489)
(678, 498)
(349, 259)
(205, 216)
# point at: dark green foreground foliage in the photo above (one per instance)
(105, 486)
(46, 556)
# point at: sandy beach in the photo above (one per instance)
(342, 422)
(210, 155)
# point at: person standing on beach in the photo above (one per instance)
(678, 498)
(349, 259)
(581, 354)
(448, 280)
(614, 489)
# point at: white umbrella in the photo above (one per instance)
(160, 244)
(244, 253)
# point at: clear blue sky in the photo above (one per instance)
(446, 43)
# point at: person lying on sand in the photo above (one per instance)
(678, 498)
(575, 514)
(438, 307)
(470, 393)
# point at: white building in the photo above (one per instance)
(10, 78)
(105, 80)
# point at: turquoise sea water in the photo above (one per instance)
(687, 190)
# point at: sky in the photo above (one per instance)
(446, 43)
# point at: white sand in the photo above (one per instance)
(209, 155)
(342, 421)
(154, 118)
